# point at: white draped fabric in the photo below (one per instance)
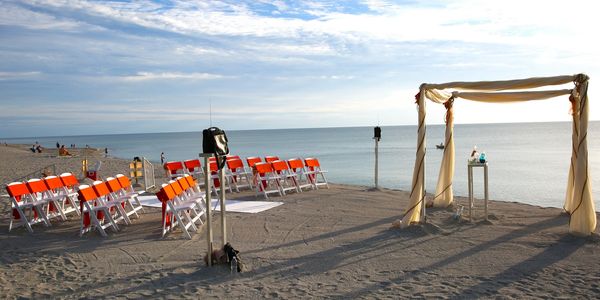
(578, 200)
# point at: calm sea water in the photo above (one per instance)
(528, 162)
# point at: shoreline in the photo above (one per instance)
(333, 242)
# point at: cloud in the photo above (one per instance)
(13, 15)
(18, 75)
(143, 76)
(277, 63)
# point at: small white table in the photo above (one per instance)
(472, 165)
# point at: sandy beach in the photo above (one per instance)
(329, 243)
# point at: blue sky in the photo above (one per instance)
(94, 67)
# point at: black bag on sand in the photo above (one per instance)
(214, 140)
(233, 256)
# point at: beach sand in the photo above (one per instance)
(330, 243)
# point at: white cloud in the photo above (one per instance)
(201, 51)
(12, 15)
(142, 76)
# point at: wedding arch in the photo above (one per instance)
(578, 200)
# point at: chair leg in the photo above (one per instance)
(182, 225)
(111, 221)
(42, 215)
(96, 222)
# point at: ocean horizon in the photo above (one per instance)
(528, 162)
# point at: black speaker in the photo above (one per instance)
(377, 133)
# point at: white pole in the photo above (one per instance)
(207, 179)
(222, 203)
(376, 163)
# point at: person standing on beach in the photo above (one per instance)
(57, 145)
(162, 162)
(105, 152)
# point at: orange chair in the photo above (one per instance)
(267, 180)
(25, 210)
(194, 168)
(39, 192)
(56, 188)
(287, 179)
(105, 197)
(251, 161)
(314, 171)
(94, 213)
(240, 177)
(214, 171)
(302, 179)
(271, 158)
(126, 186)
(174, 168)
(191, 193)
(70, 182)
(176, 211)
(130, 202)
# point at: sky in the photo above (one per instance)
(71, 67)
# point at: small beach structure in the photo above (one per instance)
(578, 200)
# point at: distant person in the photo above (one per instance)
(58, 145)
(33, 148)
(162, 163)
(39, 148)
(105, 152)
(62, 151)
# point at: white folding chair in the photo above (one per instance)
(287, 179)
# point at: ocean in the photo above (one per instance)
(528, 162)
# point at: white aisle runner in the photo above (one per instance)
(240, 206)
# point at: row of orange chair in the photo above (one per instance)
(271, 176)
(235, 176)
(40, 200)
(183, 204)
(275, 176)
(105, 203)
